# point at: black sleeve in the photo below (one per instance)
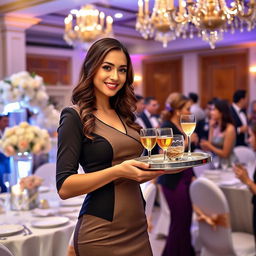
(70, 137)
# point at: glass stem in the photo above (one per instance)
(189, 146)
(165, 151)
(149, 155)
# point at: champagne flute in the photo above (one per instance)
(148, 140)
(188, 125)
(164, 139)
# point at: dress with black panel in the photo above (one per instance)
(112, 220)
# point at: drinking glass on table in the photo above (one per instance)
(148, 140)
(7, 182)
(176, 150)
(188, 125)
(164, 139)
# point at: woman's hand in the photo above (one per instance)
(194, 138)
(241, 173)
(136, 170)
(205, 144)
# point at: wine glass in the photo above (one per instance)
(176, 149)
(148, 139)
(6, 181)
(188, 125)
(164, 139)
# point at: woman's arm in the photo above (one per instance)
(242, 174)
(79, 184)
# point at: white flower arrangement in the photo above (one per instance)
(25, 87)
(29, 89)
(25, 138)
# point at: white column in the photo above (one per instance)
(13, 43)
(190, 73)
(252, 76)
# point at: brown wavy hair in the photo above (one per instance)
(175, 101)
(83, 94)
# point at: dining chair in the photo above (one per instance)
(245, 154)
(47, 173)
(4, 251)
(208, 197)
(149, 194)
(163, 222)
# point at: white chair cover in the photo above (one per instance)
(245, 154)
(149, 194)
(210, 199)
(164, 219)
(48, 173)
(4, 251)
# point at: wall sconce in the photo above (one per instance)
(137, 79)
(253, 69)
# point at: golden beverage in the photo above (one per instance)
(148, 142)
(188, 128)
(164, 142)
(175, 152)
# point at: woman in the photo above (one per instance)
(99, 133)
(176, 186)
(222, 134)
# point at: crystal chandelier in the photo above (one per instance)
(89, 25)
(206, 18)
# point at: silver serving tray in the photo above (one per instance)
(157, 161)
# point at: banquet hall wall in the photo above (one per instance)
(188, 79)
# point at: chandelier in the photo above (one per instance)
(206, 18)
(89, 25)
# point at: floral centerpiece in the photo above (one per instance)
(24, 87)
(29, 90)
(25, 138)
(30, 182)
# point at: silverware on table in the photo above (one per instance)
(27, 230)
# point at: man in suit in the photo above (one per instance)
(238, 111)
(149, 117)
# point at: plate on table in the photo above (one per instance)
(157, 163)
(50, 222)
(78, 201)
(43, 189)
(10, 229)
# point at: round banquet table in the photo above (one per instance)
(51, 241)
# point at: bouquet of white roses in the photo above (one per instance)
(30, 182)
(25, 87)
(25, 138)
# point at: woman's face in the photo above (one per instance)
(215, 113)
(186, 108)
(111, 75)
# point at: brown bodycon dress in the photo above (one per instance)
(112, 221)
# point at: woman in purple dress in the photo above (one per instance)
(176, 187)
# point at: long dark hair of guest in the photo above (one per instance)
(226, 116)
(83, 94)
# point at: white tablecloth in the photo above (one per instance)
(238, 197)
(42, 241)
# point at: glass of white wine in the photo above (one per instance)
(164, 139)
(148, 140)
(188, 125)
